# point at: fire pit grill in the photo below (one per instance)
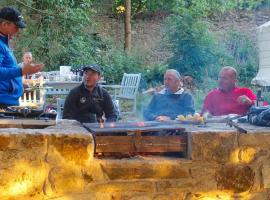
(133, 138)
(25, 112)
(25, 117)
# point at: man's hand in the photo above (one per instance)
(32, 68)
(163, 118)
(244, 100)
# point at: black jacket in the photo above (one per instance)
(89, 107)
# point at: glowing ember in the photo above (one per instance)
(112, 125)
(141, 124)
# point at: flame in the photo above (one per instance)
(112, 125)
(140, 124)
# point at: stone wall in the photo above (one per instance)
(57, 163)
(147, 34)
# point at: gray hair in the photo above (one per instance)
(232, 69)
(27, 53)
(174, 72)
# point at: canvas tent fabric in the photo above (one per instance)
(263, 76)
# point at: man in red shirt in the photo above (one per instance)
(228, 98)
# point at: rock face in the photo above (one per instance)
(58, 163)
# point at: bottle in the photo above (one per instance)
(259, 100)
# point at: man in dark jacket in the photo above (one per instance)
(171, 101)
(11, 86)
(89, 102)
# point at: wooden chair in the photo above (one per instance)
(33, 96)
(127, 91)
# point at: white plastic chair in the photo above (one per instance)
(126, 91)
(60, 107)
(57, 89)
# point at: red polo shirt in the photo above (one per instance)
(222, 103)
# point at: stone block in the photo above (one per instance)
(235, 178)
(175, 186)
(121, 186)
(162, 169)
(172, 196)
(215, 147)
(22, 180)
(69, 148)
(65, 179)
(258, 196)
(266, 174)
(4, 141)
(203, 176)
(261, 140)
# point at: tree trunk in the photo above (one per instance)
(128, 26)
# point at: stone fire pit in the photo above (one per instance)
(58, 163)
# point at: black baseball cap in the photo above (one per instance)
(93, 67)
(12, 15)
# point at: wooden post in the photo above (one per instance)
(128, 26)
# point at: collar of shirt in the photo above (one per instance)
(88, 89)
(165, 91)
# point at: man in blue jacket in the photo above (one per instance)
(171, 101)
(11, 86)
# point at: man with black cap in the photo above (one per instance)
(89, 102)
(11, 86)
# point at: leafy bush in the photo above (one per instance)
(57, 32)
(116, 62)
(153, 76)
(192, 45)
(242, 53)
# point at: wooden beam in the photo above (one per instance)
(136, 144)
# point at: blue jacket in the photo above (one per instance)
(11, 87)
(169, 105)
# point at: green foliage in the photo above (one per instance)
(57, 32)
(154, 75)
(249, 4)
(60, 32)
(138, 6)
(242, 53)
(198, 53)
(192, 45)
(201, 7)
(116, 62)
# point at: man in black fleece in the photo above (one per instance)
(89, 102)
(171, 101)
